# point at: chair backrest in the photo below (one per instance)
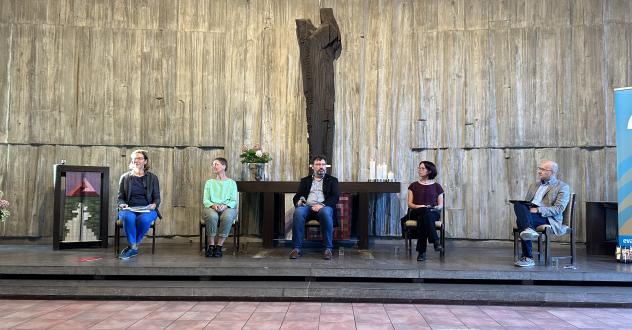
(569, 212)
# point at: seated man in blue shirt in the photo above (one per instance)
(317, 194)
(551, 197)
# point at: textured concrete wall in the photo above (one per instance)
(484, 88)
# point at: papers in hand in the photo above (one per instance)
(138, 209)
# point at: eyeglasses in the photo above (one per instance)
(544, 169)
(139, 158)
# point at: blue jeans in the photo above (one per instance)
(136, 225)
(326, 219)
(525, 219)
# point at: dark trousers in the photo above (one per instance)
(426, 231)
(525, 219)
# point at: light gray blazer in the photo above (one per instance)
(554, 202)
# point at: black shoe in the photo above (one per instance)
(217, 251)
(210, 251)
(421, 256)
(438, 247)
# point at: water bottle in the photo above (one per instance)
(341, 251)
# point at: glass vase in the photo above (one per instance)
(257, 171)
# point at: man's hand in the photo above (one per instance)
(122, 206)
(533, 209)
(317, 207)
(151, 206)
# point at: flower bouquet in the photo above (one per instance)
(256, 159)
(4, 208)
(254, 155)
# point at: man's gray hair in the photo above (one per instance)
(554, 166)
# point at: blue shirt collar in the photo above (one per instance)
(551, 181)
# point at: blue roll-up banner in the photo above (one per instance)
(623, 110)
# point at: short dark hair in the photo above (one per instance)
(222, 160)
(319, 157)
(431, 167)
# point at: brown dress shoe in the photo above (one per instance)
(327, 254)
(295, 253)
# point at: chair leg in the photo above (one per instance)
(201, 246)
(573, 247)
(153, 239)
(516, 248)
(407, 241)
(235, 246)
(117, 237)
(442, 240)
(540, 247)
(547, 247)
(205, 236)
(238, 235)
(573, 251)
(203, 240)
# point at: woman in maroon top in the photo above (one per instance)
(425, 201)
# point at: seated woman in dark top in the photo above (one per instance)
(425, 200)
(138, 201)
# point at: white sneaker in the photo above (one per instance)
(529, 235)
(525, 262)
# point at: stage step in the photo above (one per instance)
(319, 291)
(472, 272)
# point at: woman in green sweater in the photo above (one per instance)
(220, 206)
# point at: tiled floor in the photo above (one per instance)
(57, 314)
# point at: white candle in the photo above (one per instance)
(371, 170)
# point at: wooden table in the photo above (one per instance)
(272, 203)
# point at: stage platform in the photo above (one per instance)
(472, 272)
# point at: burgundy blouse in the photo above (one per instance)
(425, 194)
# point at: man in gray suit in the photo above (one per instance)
(551, 197)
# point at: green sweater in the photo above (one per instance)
(220, 192)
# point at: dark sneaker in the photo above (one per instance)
(421, 256)
(218, 251)
(210, 251)
(524, 262)
(130, 254)
(123, 252)
(295, 253)
(327, 254)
